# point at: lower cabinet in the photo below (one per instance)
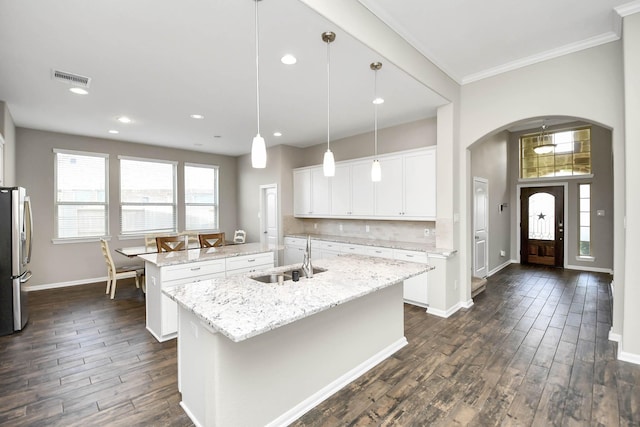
(415, 288)
(162, 311)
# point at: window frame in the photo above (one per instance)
(589, 256)
(573, 165)
(215, 204)
(174, 204)
(56, 226)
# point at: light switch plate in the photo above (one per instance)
(600, 212)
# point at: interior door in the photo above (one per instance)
(542, 226)
(480, 225)
(270, 215)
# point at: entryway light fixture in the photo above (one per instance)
(329, 163)
(258, 147)
(376, 171)
(545, 142)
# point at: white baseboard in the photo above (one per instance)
(324, 393)
(193, 419)
(593, 269)
(629, 357)
(614, 337)
(65, 284)
(501, 266)
(450, 311)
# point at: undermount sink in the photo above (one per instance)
(287, 275)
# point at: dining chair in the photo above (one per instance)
(239, 236)
(191, 235)
(170, 243)
(211, 240)
(114, 273)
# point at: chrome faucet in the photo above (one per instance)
(307, 268)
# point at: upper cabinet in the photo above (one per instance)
(407, 189)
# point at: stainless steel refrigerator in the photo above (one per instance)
(15, 254)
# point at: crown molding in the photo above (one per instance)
(628, 9)
(544, 56)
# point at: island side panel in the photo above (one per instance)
(277, 376)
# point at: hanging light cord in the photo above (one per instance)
(328, 93)
(257, 69)
(375, 113)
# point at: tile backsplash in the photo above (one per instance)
(403, 231)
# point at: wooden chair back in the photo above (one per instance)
(170, 243)
(211, 240)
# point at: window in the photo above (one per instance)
(201, 197)
(571, 155)
(585, 220)
(147, 196)
(81, 191)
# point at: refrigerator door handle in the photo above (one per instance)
(28, 220)
(26, 277)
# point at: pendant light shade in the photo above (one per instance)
(258, 146)
(376, 171)
(329, 163)
(545, 142)
(258, 152)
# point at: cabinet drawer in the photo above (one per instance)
(247, 261)
(413, 256)
(327, 246)
(355, 249)
(295, 241)
(192, 270)
(380, 252)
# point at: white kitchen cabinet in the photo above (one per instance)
(408, 187)
(420, 184)
(415, 288)
(324, 249)
(320, 197)
(302, 192)
(388, 192)
(362, 189)
(341, 191)
(249, 263)
(162, 312)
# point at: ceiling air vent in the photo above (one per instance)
(70, 78)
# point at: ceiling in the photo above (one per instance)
(159, 61)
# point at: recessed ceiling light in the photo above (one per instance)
(378, 101)
(78, 91)
(277, 134)
(124, 119)
(113, 131)
(288, 59)
(197, 116)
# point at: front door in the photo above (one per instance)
(542, 226)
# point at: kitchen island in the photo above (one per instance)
(167, 269)
(253, 353)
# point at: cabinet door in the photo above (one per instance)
(302, 192)
(389, 189)
(341, 191)
(420, 184)
(319, 192)
(362, 190)
(293, 255)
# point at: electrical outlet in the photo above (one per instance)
(455, 284)
(503, 253)
(340, 227)
(366, 228)
(426, 232)
(315, 225)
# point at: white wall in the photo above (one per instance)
(630, 344)
(553, 87)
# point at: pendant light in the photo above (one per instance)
(258, 147)
(376, 171)
(329, 163)
(545, 144)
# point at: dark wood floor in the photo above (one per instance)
(533, 350)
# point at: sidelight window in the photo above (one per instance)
(81, 195)
(585, 220)
(201, 197)
(147, 196)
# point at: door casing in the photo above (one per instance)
(480, 234)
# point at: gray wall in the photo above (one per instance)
(601, 199)
(78, 262)
(8, 131)
(489, 160)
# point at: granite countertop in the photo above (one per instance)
(240, 307)
(429, 248)
(206, 254)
